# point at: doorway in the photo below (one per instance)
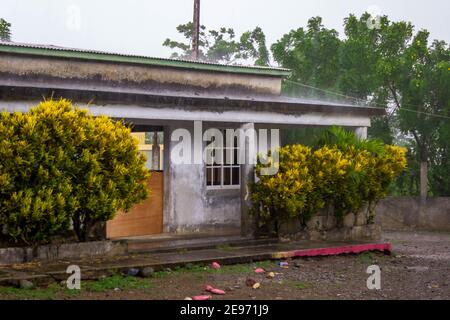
(145, 218)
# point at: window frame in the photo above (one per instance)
(223, 166)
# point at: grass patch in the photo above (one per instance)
(55, 291)
(370, 257)
(117, 281)
(366, 257)
(338, 285)
(160, 274)
(234, 269)
(301, 285)
(225, 269)
(48, 293)
(224, 247)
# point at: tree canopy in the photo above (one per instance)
(5, 30)
(222, 45)
(391, 66)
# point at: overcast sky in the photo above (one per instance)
(141, 26)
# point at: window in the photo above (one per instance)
(219, 173)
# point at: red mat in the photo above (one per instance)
(357, 248)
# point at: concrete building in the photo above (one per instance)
(158, 96)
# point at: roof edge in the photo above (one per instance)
(62, 52)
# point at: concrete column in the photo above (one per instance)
(248, 222)
(168, 218)
(361, 133)
(423, 180)
(422, 219)
(155, 152)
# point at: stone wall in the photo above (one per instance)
(407, 213)
(325, 227)
(53, 252)
(400, 213)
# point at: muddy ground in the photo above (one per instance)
(419, 268)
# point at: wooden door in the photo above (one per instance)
(145, 218)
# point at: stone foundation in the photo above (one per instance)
(409, 213)
(325, 227)
(54, 252)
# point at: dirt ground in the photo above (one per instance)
(419, 268)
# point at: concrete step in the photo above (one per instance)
(47, 273)
(171, 244)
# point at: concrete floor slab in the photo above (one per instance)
(92, 267)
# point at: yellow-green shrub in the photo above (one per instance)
(60, 165)
(285, 194)
(347, 178)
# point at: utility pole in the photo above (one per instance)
(196, 29)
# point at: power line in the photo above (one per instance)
(365, 101)
(326, 91)
(426, 113)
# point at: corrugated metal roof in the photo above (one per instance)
(64, 52)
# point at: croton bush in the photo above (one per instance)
(63, 169)
(342, 172)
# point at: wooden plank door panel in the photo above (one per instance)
(145, 218)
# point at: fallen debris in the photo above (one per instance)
(132, 272)
(215, 265)
(26, 284)
(146, 272)
(271, 275)
(250, 282)
(283, 264)
(214, 290)
(256, 285)
(260, 270)
(201, 298)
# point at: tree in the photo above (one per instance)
(5, 30)
(60, 166)
(423, 90)
(370, 59)
(222, 45)
(312, 54)
(390, 66)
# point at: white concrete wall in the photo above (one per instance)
(188, 205)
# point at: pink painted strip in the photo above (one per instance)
(358, 248)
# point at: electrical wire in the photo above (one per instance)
(365, 101)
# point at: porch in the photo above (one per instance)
(165, 96)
